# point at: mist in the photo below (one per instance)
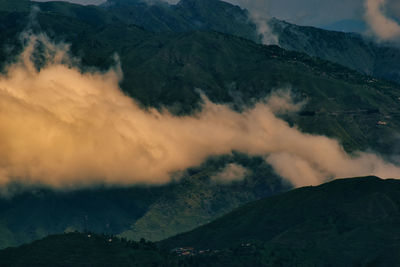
(64, 128)
(230, 173)
(259, 15)
(381, 26)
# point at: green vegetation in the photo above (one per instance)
(344, 222)
(187, 15)
(33, 215)
(348, 49)
(75, 249)
(197, 199)
(348, 222)
(167, 69)
(150, 212)
(20, 5)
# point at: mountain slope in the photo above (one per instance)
(198, 198)
(168, 69)
(49, 212)
(341, 222)
(347, 222)
(348, 49)
(20, 5)
(154, 212)
(89, 249)
(187, 15)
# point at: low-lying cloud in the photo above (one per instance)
(230, 173)
(63, 128)
(382, 26)
(259, 15)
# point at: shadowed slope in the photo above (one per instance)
(355, 218)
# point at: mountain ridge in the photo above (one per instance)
(338, 223)
(348, 49)
(323, 235)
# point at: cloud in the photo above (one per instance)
(66, 129)
(232, 172)
(258, 10)
(382, 26)
(281, 102)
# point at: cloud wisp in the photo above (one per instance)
(64, 128)
(230, 173)
(259, 15)
(381, 26)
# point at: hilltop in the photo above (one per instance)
(88, 249)
(346, 221)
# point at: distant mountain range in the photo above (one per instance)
(348, 49)
(348, 25)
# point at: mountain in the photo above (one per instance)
(347, 222)
(187, 15)
(20, 5)
(153, 212)
(347, 25)
(166, 69)
(75, 249)
(341, 223)
(49, 212)
(198, 199)
(348, 49)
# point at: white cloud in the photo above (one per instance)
(383, 27)
(66, 129)
(232, 172)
